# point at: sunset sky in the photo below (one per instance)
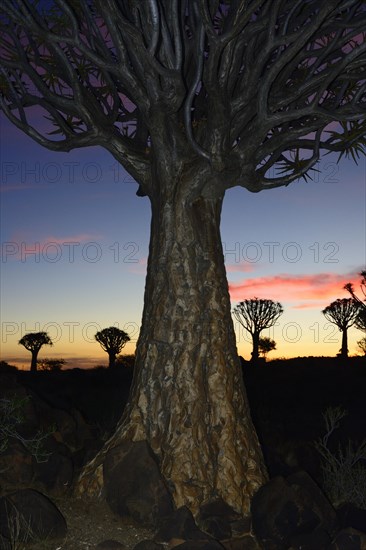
(75, 241)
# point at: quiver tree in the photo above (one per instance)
(256, 315)
(192, 98)
(343, 313)
(362, 345)
(360, 321)
(33, 341)
(112, 340)
(266, 345)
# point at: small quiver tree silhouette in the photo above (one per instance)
(362, 345)
(112, 340)
(256, 315)
(343, 313)
(360, 322)
(266, 345)
(33, 341)
(53, 365)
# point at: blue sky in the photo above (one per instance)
(75, 241)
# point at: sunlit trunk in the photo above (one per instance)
(188, 400)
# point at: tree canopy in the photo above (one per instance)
(290, 76)
(343, 313)
(112, 340)
(360, 322)
(255, 315)
(33, 341)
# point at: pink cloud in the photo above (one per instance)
(17, 187)
(20, 245)
(138, 268)
(311, 290)
(241, 267)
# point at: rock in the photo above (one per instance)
(218, 507)
(283, 509)
(349, 539)
(27, 515)
(200, 545)
(311, 541)
(148, 545)
(55, 474)
(241, 526)
(110, 545)
(16, 465)
(219, 520)
(313, 497)
(217, 527)
(133, 484)
(179, 525)
(246, 542)
(351, 516)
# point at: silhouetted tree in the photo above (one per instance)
(33, 341)
(112, 340)
(362, 344)
(53, 365)
(343, 313)
(266, 345)
(126, 361)
(192, 98)
(256, 315)
(360, 322)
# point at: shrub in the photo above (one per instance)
(343, 466)
(11, 417)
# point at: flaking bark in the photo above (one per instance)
(188, 398)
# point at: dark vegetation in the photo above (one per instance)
(287, 398)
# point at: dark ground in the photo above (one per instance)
(287, 398)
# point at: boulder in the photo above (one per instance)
(200, 545)
(349, 539)
(28, 515)
(55, 474)
(110, 545)
(246, 542)
(148, 545)
(133, 484)
(315, 540)
(219, 520)
(16, 465)
(179, 525)
(350, 515)
(285, 508)
(314, 498)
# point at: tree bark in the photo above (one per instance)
(188, 398)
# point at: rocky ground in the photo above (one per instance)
(287, 399)
(89, 523)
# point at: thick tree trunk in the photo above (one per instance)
(255, 352)
(344, 348)
(112, 360)
(188, 399)
(34, 360)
